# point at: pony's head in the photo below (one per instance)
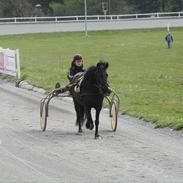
(101, 74)
(96, 77)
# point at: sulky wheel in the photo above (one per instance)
(43, 116)
(114, 115)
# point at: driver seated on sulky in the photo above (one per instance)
(76, 67)
(75, 72)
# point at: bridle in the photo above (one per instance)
(101, 87)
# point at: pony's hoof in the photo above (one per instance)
(91, 126)
(98, 137)
(80, 132)
(88, 125)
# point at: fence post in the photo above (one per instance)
(18, 62)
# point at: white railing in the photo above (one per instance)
(59, 19)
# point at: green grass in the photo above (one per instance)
(147, 76)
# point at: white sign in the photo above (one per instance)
(9, 62)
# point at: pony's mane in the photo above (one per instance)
(93, 73)
(88, 75)
(90, 70)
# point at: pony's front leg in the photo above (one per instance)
(79, 118)
(97, 136)
(78, 121)
(80, 129)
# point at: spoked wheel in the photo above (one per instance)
(43, 116)
(114, 116)
(44, 103)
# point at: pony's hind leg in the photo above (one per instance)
(89, 122)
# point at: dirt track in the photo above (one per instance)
(135, 153)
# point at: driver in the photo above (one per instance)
(76, 67)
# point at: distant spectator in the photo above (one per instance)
(169, 39)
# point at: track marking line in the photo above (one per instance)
(26, 163)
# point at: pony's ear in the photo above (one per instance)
(99, 63)
(106, 65)
(103, 64)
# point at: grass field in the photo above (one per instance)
(147, 76)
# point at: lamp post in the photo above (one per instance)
(109, 7)
(105, 7)
(86, 31)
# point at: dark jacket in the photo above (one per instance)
(73, 71)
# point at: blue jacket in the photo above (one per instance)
(169, 38)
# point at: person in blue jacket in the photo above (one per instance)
(169, 39)
(76, 67)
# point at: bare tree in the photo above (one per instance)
(18, 8)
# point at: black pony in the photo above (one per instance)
(92, 90)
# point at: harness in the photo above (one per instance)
(77, 80)
(78, 84)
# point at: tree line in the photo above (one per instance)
(22, 8)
